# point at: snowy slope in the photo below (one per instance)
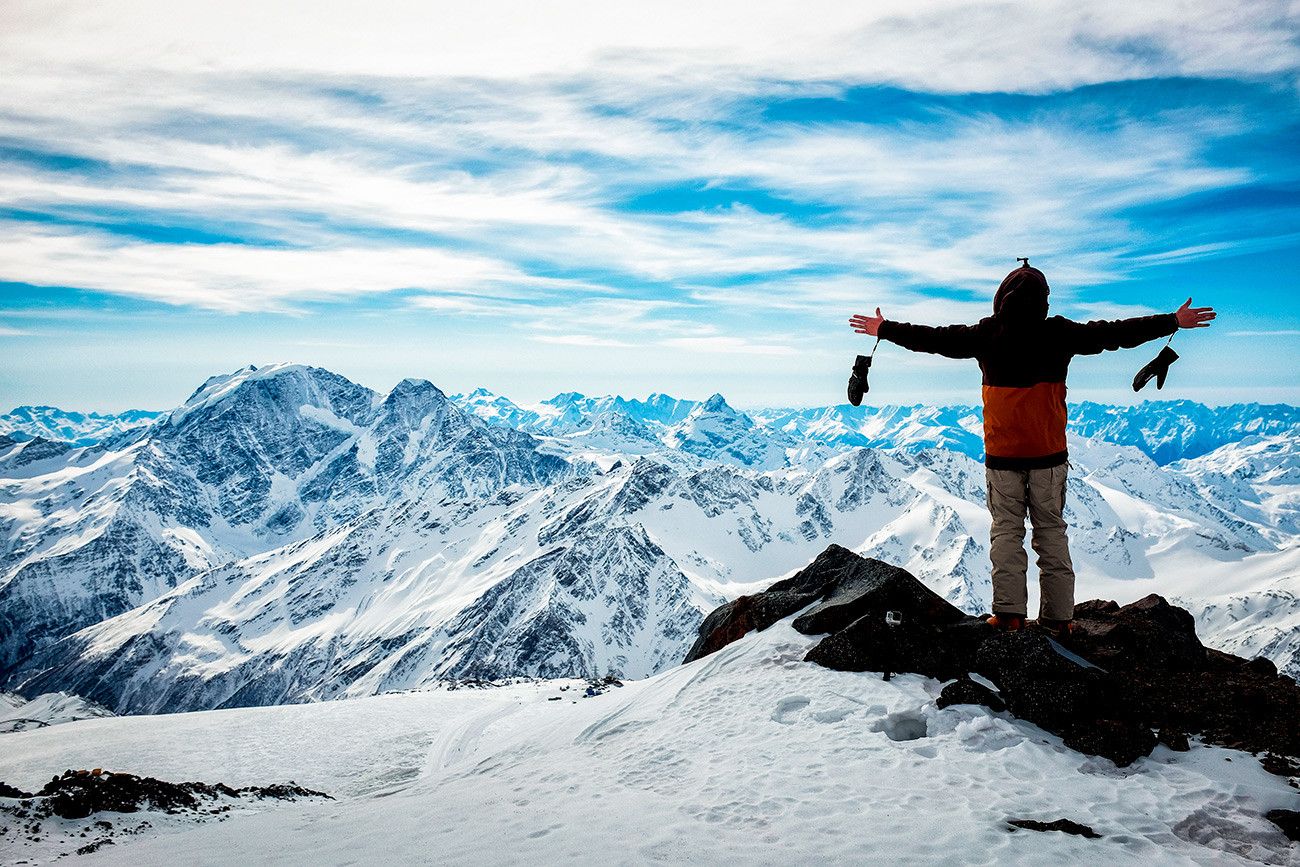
(53, 708)
(746, 756)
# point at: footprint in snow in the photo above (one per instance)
(788, 707)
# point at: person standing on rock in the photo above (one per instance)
(1024, 356)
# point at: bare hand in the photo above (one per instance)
(1194, 317)
(869, 324)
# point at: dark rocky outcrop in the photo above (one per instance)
(963, 690)
(845, 586)
(1287, 820)
(78, 794)
(1063, 825)
(1128, 671)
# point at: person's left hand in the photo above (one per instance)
(866, 324)
(1194, 317)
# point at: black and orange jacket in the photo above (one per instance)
(1024, 356)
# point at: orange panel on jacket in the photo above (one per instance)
(1024, 422)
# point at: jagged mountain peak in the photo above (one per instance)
(716, 403)
(565, 398)
(414, 390)
(280, 387)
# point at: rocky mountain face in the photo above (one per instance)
(287, 535)
(251, 462)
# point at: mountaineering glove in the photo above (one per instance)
(858, 379)
(1157, 367)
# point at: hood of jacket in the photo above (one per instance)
(1022, 296)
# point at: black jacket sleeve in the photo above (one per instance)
(1090, 338)
(954, 341)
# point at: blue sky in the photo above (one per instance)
(622, 199)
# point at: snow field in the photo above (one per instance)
(749, 755)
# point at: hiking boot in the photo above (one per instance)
(1058, 629)
(1006, 622)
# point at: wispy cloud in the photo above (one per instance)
(1277, 332)
(685, 176)
(579, 340)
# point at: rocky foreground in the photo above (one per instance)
(1131, 677)
(54, 813)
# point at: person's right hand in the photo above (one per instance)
(866, 324)
(1194, 317)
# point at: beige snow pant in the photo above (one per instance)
(1042, 494)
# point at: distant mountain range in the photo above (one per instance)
(288, 535)
(1165, 431)
(77, 428)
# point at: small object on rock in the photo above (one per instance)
(1063, 825)
(1287, 820)
(1175, 739)
(966, 691)
(554, 698)
(97, 772)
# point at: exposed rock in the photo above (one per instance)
(1151, 631)
(1287, 820)
(869, 643)
(848, 588)
(1175, 739)
(963, 690)
(732, 621)
(77, 794)
(1120, 740)
(1041, 684)
(1262, 666)
(863, 587)
(8, 791)
(1064, 825)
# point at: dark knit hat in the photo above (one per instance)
(1022, 295)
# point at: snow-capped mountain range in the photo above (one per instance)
(77, 428)
(288, 535)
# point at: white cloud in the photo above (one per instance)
(231, 277)
(945, 45)
(485, 166)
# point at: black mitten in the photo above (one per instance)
(1157, 367)
(858, 379)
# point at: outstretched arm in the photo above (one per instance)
(954, 341)
(1090, 338)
